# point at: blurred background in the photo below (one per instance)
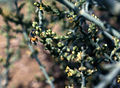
(24, 72)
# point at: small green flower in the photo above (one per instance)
(60, 44)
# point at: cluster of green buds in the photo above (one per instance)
(78, 50)
(118, 79)
(71, 17)
(79, 3)
(116, 41)
(47, 8)
(37, 4)
(70, 86)
(92, 29)
(59, 48)
(69, 71)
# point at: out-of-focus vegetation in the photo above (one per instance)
(17, 20)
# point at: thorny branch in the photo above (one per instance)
(81, 12)
(108, 78)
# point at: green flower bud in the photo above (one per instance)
(58, 50)
(49, 41)
(68, 49)
(65, 54)
(37, 28)
(60, 44)
(69, 33)
(69, 57)
(37, 4)
(74, 48)
(34, 24)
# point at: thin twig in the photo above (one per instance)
(7, 64)
(83, 80)
(82, 75)
(83, 13)
(108, 78)
(40, 16)
(37, 59)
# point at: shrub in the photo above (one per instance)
(89, 49)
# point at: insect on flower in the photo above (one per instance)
(33, 38)
(32, 33)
